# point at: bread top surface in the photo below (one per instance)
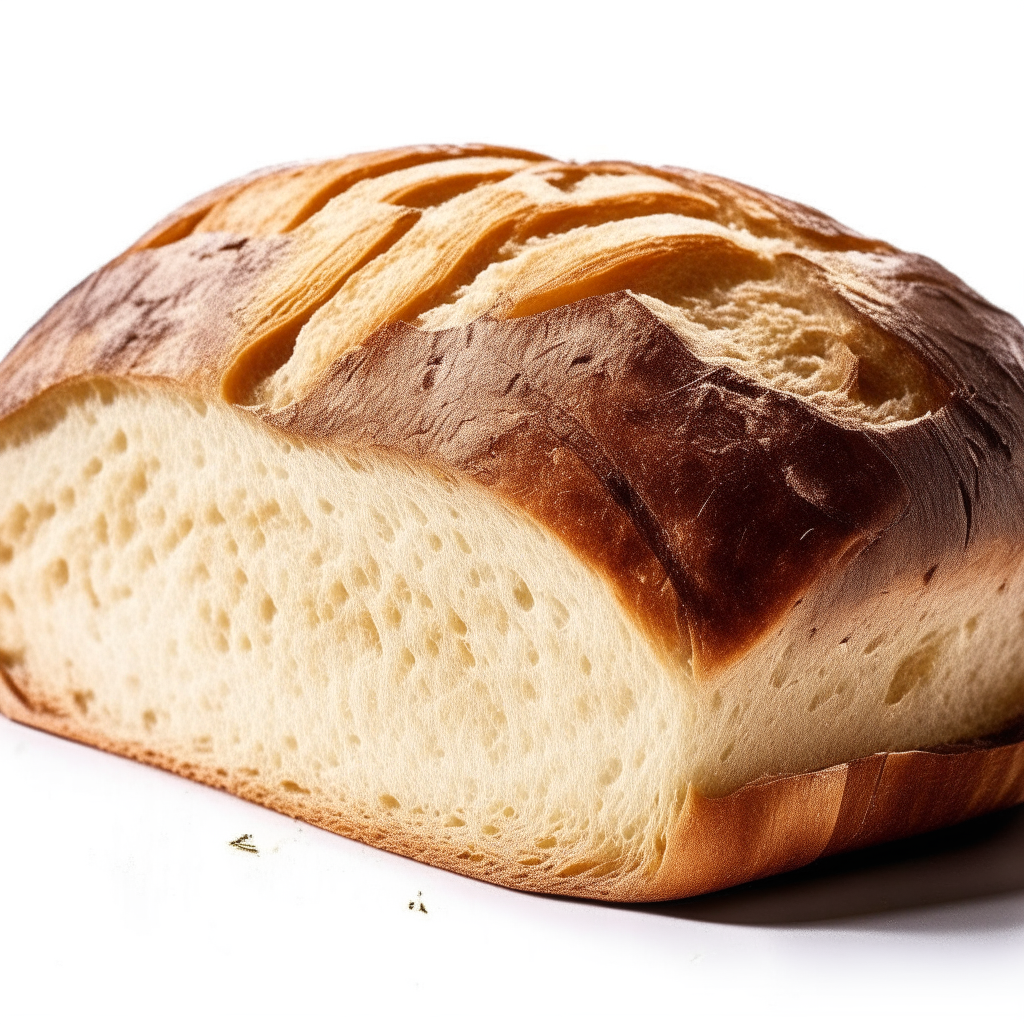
(728, 403)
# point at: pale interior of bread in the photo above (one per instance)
(379, 638)
(391, 644)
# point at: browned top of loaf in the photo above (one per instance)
(723, 400)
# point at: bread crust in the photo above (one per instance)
(713, 503)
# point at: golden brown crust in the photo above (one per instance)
(155, 313)
(711, 501)
(782, 824)
(184, 220)
(293, 192)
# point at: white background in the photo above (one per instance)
(120, 898)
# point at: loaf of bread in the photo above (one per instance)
(593, 529)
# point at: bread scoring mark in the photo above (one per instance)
(709, 257)
(446, 250)
(183, 221)
(290, 299)
(506, 237)
(280, 204)
(331, 246)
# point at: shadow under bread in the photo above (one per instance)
(975, 860)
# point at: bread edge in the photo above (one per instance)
(767, 827)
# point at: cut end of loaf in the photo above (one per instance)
(373, 643)
(396, 655)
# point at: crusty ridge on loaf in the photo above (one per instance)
(587, 528)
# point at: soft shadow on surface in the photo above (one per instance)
(978, 859)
